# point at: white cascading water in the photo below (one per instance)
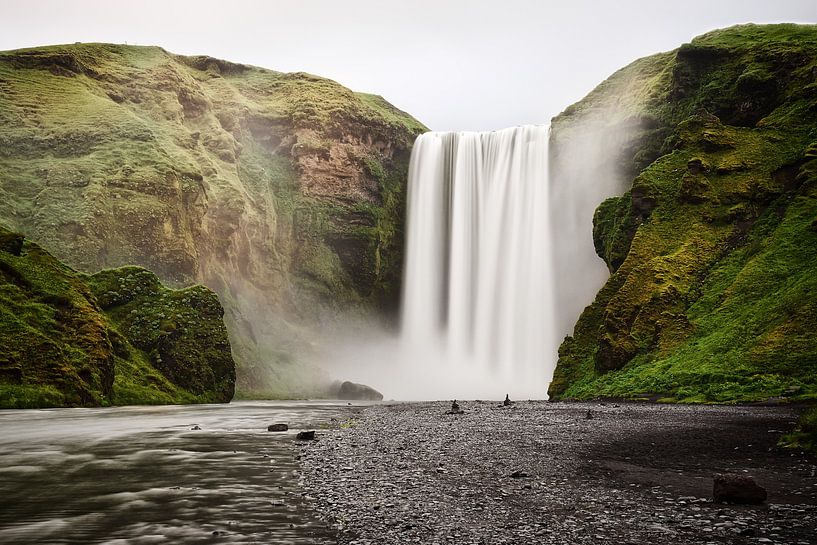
(477, 307)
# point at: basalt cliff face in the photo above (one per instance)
(712, 247)
(114, 337)
(281, 192)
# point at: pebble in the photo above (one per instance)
(426, 478)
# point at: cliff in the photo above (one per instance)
(712, 247)
(113, 338)
(284, 193)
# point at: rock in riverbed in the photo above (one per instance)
(358, 392)
(305, 435)
(732, 488)
(277, 427)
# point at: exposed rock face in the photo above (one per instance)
(281, 192)
(117, 337)
(711, 251)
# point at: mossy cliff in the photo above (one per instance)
(712, 251)
(281, 192)
(115, 337)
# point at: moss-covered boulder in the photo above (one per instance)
(284, 193)
(117, 337)
(712, 251)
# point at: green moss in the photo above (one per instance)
(712, 250)
(257, 183)
(66, 342)
(804, 437)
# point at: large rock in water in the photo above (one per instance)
(116, 337)
(361, 392)
(709, 245)
(284, 193)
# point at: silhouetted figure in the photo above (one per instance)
(507, 401)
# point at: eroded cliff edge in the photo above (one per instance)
(284, 193)
(712, 252)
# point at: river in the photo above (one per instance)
(167, 474)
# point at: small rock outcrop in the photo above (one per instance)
(118, 337)
(277, 427)
(358, 392)
(306, 435)
(741, 489)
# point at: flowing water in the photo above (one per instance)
(477, 303)
(144, 475)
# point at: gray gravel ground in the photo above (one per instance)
(546, 473)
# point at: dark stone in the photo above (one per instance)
(360, 392)
(507, 401)
(742, 489)
(277, 427)
(195, 428)
(455, 408)
(306, 435)
(589, 415)
(518, 474)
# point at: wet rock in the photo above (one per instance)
(277, 427)
(518, 474)
(732, 488)
(358, 392)
(306, 435)
(195, 428)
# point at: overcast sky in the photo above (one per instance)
(455, 65)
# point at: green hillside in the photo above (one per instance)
(284, 193)
(116, 337)
(713, 251)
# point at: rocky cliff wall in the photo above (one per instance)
(281, 192)
(711, 248)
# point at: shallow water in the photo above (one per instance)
(143, 475)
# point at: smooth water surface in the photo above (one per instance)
(144, 475)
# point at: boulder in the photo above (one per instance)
(732, 488)
(277, 427)
(359, 392)
(306, 435)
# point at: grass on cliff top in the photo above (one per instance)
(746, 58)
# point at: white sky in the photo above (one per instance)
(453, 64)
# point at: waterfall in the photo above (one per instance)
(477, 304)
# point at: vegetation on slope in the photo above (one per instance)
(713, 249)
(282, 192)
(115, 338)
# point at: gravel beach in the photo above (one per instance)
(538, 472)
